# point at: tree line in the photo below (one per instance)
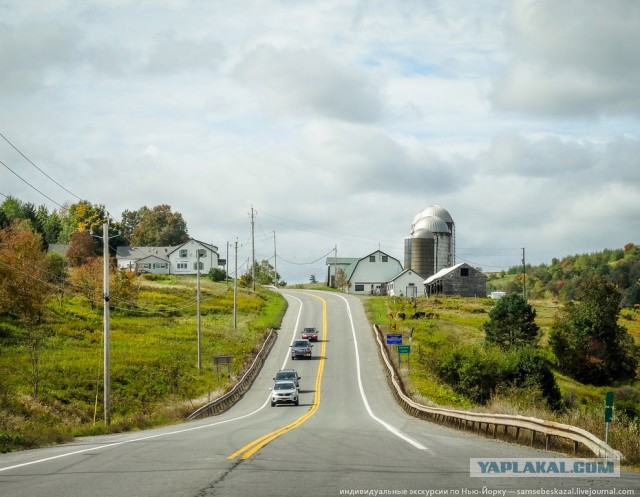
(563, 278)
(146, 227)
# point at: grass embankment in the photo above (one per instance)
(450, 321)
(154, 374)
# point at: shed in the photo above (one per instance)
(461, 279)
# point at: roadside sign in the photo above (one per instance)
(608, 407)
(404, 349)
(394, 338)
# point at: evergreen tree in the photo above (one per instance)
(588, 341)
(512, 323)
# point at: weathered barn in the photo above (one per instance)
(461, 279)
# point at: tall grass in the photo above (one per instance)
(454, 321)
(154, 374)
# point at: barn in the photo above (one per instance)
(461, 279)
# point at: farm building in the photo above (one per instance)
(460, 279)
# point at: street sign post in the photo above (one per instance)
(404, 349)
(608, 414)
(394, 338)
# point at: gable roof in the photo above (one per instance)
(135, 253)
(399, 275)
(213, 248)
(443, 272)
(353, 267)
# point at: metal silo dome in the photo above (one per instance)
(433, 224)
(437, 211)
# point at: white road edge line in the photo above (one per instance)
(141, 439)
(389, 427)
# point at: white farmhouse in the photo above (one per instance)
(181, 259)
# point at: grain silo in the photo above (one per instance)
(431, 244)
(422, 252)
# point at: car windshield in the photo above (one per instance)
(285, 385)
(300, 343)
(286, 376)
(310, 330)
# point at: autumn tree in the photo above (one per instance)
(25, 290)
(23, 274)
(82, 248)
(87, 279)
(159, 227)
(512, 323)
(82, 216)
(588, 341)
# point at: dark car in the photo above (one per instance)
(287, 375)
(301, 348)
(310, 333)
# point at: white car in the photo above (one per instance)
(284, 392)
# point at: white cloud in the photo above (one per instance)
(572, 58)
(336, 121)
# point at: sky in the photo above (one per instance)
(334, 122)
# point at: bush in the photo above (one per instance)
(478, 372)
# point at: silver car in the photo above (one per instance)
(284, 392)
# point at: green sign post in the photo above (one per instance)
(608, 414)
(404, 349)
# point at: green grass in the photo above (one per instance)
(455, 320)
(154, 374)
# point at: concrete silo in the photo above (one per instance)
(423, 252)
(431, 245)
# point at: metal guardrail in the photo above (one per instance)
(225, 402)
(479, 421)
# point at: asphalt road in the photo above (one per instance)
(347, 437)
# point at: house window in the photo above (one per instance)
(184, 253)
(385, 258)
(359, 288)
(196, 264)
(202, 252)
(182, 265)
(372, 258)
(464, 271)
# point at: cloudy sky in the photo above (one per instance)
(336, 121)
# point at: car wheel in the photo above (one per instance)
(297, 402)
(273, 404)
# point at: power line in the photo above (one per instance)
(21, 178)
(31, 162)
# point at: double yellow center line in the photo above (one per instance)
(251, 448)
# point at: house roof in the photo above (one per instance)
(213, 248)
(406, 271)
(443, 272)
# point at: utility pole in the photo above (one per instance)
(335, 266)
(198, 305)
(524, 277)
(275, 262)
(253, 252)
(106, 316)
(235, 290)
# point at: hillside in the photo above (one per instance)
(51, 388)
(560, 279)
(455, 324)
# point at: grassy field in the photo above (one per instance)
(154, 374)
(455, 320)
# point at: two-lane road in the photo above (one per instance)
(346, 436)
